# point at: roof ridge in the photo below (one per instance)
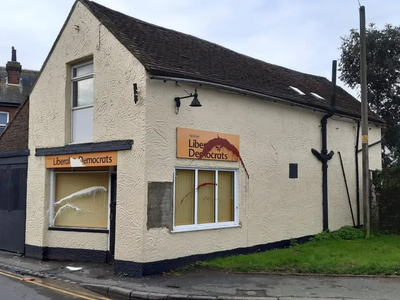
(198, 38)
(171, 53)
(23, 70)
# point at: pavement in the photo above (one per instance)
(206, 284)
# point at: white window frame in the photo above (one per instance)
(75, 79)
(52, 196)
(207, 226)
(8, 119)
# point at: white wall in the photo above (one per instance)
(116, 117)
(272, 206)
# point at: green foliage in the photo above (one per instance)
(340, 252)
(345, 233)
(294, 243)
(383, 74)
(387, 189)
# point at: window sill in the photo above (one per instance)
(80, 142)
(82, 107)
(202, 227)
(76, 229)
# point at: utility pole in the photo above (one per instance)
(364, 122)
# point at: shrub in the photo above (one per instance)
(344, 233)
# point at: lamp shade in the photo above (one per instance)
(195, 102)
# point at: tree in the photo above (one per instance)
(383, 76)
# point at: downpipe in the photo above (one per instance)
(324, 156)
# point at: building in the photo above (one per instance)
(15, 85)
(122, 168)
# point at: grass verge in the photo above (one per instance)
(340, 252)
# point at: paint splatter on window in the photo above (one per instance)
(81, 200)
(212, 201)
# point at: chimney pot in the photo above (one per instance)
(13, 54)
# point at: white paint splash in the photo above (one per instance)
(72, 269)
(76, 162)
(66, 206)
(82, 193)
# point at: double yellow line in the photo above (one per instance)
(51, 287)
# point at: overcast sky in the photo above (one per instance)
(303, 35)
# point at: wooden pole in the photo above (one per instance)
(364, 123)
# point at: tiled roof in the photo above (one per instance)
(16, 94)
(167, 52)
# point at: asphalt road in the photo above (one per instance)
(13, 288)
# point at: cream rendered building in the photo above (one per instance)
(122, 168)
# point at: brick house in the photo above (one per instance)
(16, 136)
(15, 85)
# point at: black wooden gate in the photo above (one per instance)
(13, 182)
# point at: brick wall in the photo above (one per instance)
(13, 76)
(15, 137)
(10, 110)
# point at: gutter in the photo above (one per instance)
(10, 104)
(256, 94)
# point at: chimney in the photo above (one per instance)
(13, 68)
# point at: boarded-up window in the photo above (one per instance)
(81, 200)
(204, 197)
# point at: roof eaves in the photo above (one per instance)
(272, 96)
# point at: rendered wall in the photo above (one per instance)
(116, 117)
(272, 207)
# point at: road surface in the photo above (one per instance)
(12, 287)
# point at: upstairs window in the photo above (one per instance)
(4, 118)
(82, 103)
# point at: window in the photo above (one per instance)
(205, 199)
(298, 91)
(4, 118)
(82, 103)
(80, 199)
(317, 96)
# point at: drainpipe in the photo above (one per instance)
(324, 156)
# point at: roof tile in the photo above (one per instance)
(170, 53)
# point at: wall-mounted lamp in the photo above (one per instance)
(195, 101)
